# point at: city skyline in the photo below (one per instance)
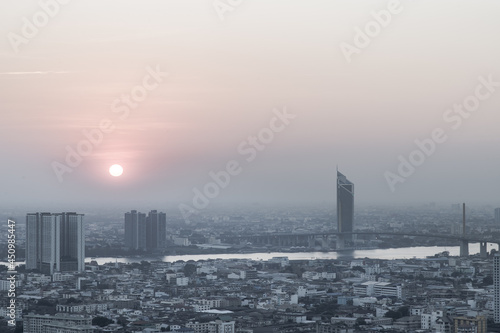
(231, 166)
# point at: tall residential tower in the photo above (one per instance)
(145, 233)
(135, 230)
(55, 242)
(156, 230)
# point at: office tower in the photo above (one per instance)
(497, 215)
(55, 242)
(345, 206)
(156, 228)
(496, 284)
(135, 230)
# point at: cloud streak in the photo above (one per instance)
(35, 73)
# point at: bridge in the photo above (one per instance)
(326, 238)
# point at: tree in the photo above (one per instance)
(101, 321)
(327, 308)
(403, 311)
(45, 302)
(189, 269)
(359, 269)
(488, 280)
(392, 314)
(360, 321)
(465, 280)
(73, 300)
(122, 321)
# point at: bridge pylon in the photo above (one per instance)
(483, 249)
(464, 248)
(340, 242)
(464, 243)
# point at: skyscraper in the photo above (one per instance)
(135, 230)
(496, 285)
(345, 206)
(497, 215)
(156, 228)
(55, 242)
(145, 233)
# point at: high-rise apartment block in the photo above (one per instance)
(55, 242)
(135, 230)
(145, 232)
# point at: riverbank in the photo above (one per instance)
(419, 252)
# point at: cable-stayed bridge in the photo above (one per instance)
(325, 239)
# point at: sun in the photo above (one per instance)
(115, 170)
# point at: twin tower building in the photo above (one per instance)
(55, 242)
(146, 233)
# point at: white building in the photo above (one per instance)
(283, 261)
(5, 284)
(58, 277)
(38, 278)
(201, 307)
(220, 326)
(373, 288)
(429, 321)
(198, 327)
(182, 281)
(45, 323)
(181, 241)
(76, 308)
(311, 275)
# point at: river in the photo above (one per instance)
(400, 253)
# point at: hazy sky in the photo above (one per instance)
(225, 78)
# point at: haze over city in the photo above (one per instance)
(261, 166)
(228, 74)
